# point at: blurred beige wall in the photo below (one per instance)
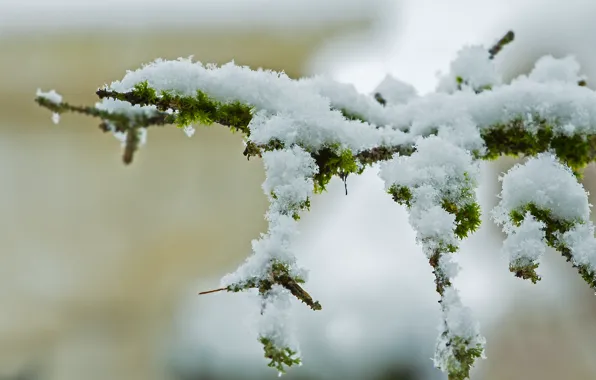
(95, 256)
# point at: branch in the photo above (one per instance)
(554, 230)
(121, 122)
(509, 138)
(506, 39)
(279, 274)
(201, 108)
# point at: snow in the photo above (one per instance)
(550, 69)
(288, 184)
(546, 183)
(299, 111)
(288, 109)
(582, 244)
(437, 163)
(273, 323)
(458, 322)
(51, 95)
(189, 130)
(474, 66)
(439, 170)
(344, 95)
(526, 244)
(395, 91)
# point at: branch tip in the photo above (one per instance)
(212, 291)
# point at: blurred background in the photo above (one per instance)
(100, 263)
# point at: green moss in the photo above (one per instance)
(301, 206)
(278, 356)
(526, 270)
(513, 139)
(553, 229)
(332, 161)
(464, 358)
(553, 225)
(143, 91)
(401, 195)
(205, 110)
(574, 150)
(200, 108)
(296, 207)
(467, 217)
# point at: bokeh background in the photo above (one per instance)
(100, 263)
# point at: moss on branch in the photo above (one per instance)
(200, 108)
(511, 138)
(554, 228)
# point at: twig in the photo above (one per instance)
(507, 38)
(213, 291)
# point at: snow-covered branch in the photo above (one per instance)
(309, 130)
(542, 204)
